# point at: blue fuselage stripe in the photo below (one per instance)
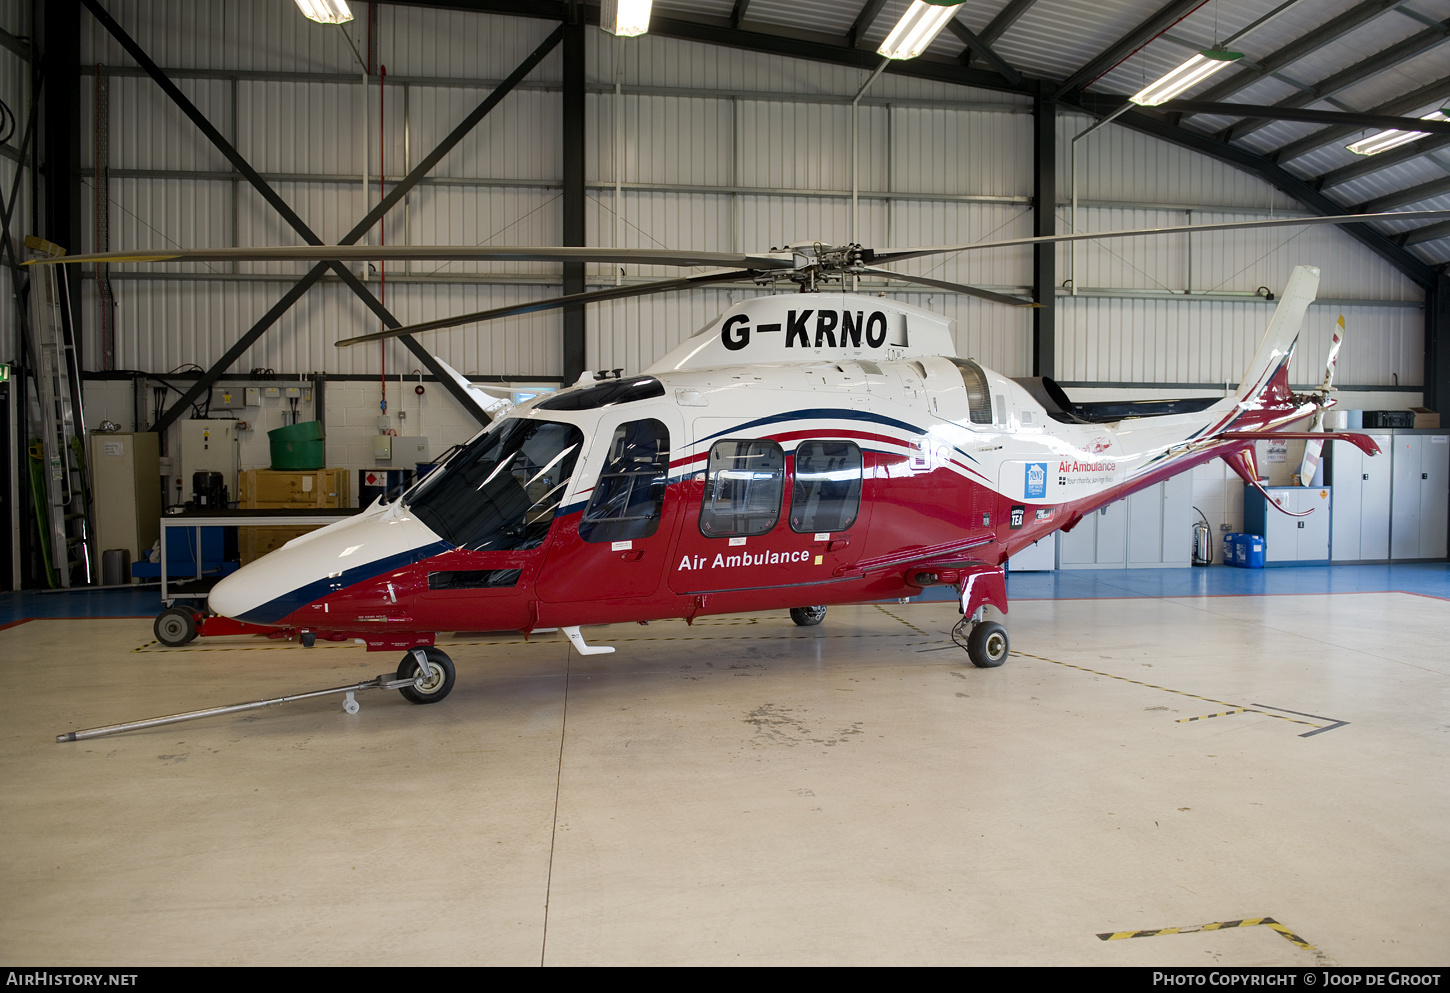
(274, 610)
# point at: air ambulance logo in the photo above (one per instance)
(1036, 481)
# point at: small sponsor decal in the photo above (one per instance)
(1036, 481)
(1043, 514)
(1017, 514)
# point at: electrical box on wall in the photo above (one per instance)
(227, 398)
(254, 396)
(403, 452)
(209, 446)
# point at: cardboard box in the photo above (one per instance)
(1425, 417)
(273, 489)
(253, 543)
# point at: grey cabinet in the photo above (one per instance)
(1395, 505)
(1151, 529)
(1360, 530)
(1291, 540)
(1418, 498)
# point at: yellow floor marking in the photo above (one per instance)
(1208, 699)
(1268, 922)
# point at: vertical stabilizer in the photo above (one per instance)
(1272, 357)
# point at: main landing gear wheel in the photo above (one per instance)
(807, 617)
(175, 626)
(987, 645)
(433, 689)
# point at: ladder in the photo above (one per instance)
(65, 515)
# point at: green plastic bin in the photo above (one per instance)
(297, 446)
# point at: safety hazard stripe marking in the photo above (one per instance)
(1268, 922)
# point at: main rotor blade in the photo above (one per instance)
(1393, 215)
(942, 284)
(443, 253)
(596, 296)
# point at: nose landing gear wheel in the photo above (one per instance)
(175, 626)
(987, 645)
(807, 617)
(436, 687)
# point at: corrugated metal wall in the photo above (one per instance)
(711, 148)
(16, 93)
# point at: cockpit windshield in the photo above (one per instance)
(503, 490)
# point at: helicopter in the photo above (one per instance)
(802, 450)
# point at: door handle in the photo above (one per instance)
(633, 555)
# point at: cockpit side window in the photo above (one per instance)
(503, 491)
(630, 494)
(743, 488)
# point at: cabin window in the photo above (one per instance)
(503, 490)
(827, 491)
(979, 400)
(630, 494)
(743, 488)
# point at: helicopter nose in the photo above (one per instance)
(310, 567)
(241, 593)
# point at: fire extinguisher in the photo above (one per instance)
(1202, 542)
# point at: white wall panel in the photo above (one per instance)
(1115, 163)
(1194, 341)
(972, 152)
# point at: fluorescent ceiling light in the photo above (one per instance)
(325, 11)
(1195, 70)
(1386, 140)
(922, 22)
(625, 18)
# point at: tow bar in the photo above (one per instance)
(350, 705)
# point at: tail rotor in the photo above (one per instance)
(1313, 447)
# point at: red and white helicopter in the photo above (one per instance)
(802, 450)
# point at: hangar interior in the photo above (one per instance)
(855, 792)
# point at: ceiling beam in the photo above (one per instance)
(1339, 82)
(863, 22)
(1271, 172)
(1408, 103)
(975, 45)
(1430, 232)
(1006, 17)
(1370, 164)
(1279, 112)
(1332, 30)
(738, 13)
(1414, 194)
(1160, 21)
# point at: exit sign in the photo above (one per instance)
(4, 373)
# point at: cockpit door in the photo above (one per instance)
(613, 540)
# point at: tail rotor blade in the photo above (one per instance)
(1314, 448)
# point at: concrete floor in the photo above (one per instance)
(745, 791)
